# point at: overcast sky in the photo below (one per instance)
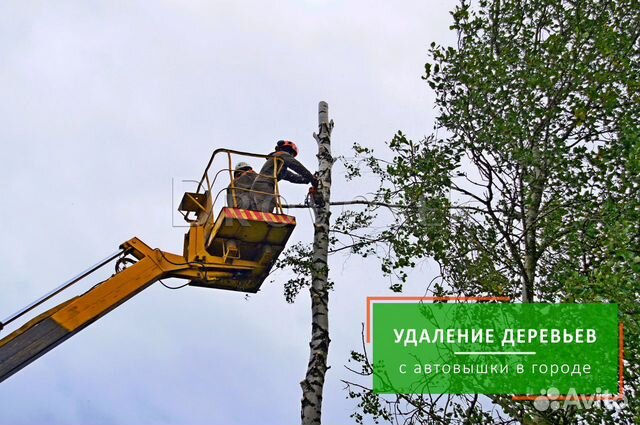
(104, 104)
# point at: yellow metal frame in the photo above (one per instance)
(213, 257)
(206, 183)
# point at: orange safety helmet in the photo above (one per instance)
(287, 144)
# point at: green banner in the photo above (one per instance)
(495, 348)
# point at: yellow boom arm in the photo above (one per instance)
(234, 250)
(54, 326)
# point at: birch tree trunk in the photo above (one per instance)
(313, 382)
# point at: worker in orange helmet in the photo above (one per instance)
(284, 166)
(243, 178)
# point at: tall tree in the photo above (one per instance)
(318, 269)
(529, 186)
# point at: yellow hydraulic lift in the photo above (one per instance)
(234, 250)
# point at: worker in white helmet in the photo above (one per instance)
(243, 178)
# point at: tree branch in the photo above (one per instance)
(356, 202)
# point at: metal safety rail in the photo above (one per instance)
(208, 181)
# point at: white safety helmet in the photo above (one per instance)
(243, 166)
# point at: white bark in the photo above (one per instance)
(313, 383)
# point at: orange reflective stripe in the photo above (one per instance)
(260, 216)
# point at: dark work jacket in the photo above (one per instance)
(242, 183)
(289, 169)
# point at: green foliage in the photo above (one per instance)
(296, 259)
(530, 186)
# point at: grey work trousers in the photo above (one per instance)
(265, 201)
